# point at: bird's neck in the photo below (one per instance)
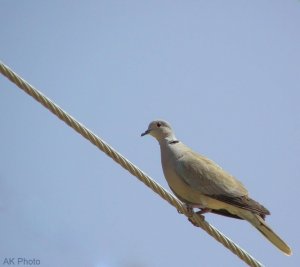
(169, 139)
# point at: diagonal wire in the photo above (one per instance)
(126, 164)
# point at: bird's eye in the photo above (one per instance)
(158, 124)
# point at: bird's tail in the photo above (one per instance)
(261, 226)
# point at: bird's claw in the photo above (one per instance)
(189, 211)
(200, 215)
(193, 222)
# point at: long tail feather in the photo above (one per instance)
(262, 227)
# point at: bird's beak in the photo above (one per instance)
(145, 133)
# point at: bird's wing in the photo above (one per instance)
(211, 180)
(207, 177)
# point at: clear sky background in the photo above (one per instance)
(225, 74)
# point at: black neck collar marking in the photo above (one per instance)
(174, 142)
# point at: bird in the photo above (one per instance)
(201, 184)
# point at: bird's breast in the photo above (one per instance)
(169, 159)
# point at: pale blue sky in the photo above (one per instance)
(225, 74)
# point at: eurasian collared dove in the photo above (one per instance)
(201, 183)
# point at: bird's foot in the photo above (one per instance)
(190, 210)
(200, 214)
(190, 213)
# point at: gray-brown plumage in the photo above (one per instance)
(201, 183)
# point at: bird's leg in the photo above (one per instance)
(200, 212)
(203, 210)
(190, 213)
(190, 210)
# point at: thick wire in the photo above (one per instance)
(126, 164)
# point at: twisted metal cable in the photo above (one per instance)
(126, 164)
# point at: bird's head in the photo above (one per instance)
(160, 129)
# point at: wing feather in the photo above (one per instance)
(207, 177)
(211, 180)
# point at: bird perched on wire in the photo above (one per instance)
(201, 183)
